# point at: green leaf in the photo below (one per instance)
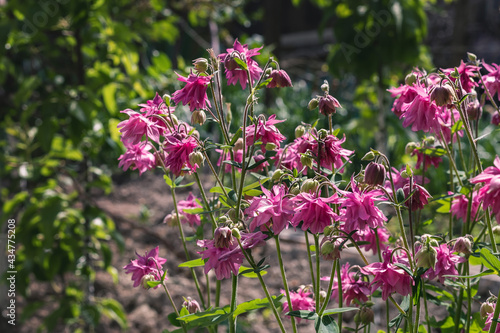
(236, 136)
(152, 284)
(457, 127)
(113, 309)
(255, 184)
(219, 190)
(486, 272)
(236, 164)
(405, 268)
(489, 260)
(256, 304)
(172, 318)
(339, 310)
(304, 314)
(264, 83)
(108, 95)
(249, 272)
(178, 180)
(206, 318)
(241, 63)
(168, 181)
(326, 324)
(193, 263)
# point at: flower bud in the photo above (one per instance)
(426, 257)
(463, 245)
(236, 233)
(223, 237)
(196, 157)
(306, 160)
(280, 79)
(496, 230)
(313, 104)
(410, 79)
(299, 131)
(328, 105)
(173, 119)
(198, 117)
(294, 190)
(474, 110)
(375, 174)
(229, 114)
(170, 220)
(200, 65)
(429, 141)
(325, 86)
(147, 278)
(369, 156)
(495, 119)
(322, 296)
(191, 305)
(229, 62)
(400, 195)
(486, 308)
(222, 220)
(238, 145)
(443, 95)
(166, 98)
(472, 57)
(331, 250)
(366, 315)
(270, 146)
(277, 175)
(310, 185)
(233, 215)
(322, 133)
(410, 147)
(328, 231)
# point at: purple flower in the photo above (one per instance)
(272, 209)
(264, 131)
(280, 79)
(138, 125)
(421, 112)
(138, 157)
(301, 300)
(419, 198)
(328, 105)
(466, 73)
(331, 152)
(147, 265)
(178, 146)
(406, 95)
(189, 203)
(490, 193)
(426, 160)
(236, 74)
(445, 264)
(489, 321)
(389, 277)
(194, 93)
(492, 80)
(314, 211)
(460, 205)
(354, 286)
(369, 236)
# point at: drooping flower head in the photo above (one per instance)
(179, 146)
(466, 74)
(354, 286)
(426, 159)
(421, 112)
(492, 79)
(155, 106)
(138, 157)
(389, 277)
(369, 237)
(236, 74)
(419, 198)
(490, 193)
(280, 79)
(301, 300)
(460, 206)
(331, 152)
(266, 131)
(149, 265)
(138, 125)
(272, 209)
(194, 92)
(190, 203)
(314, 211)
(328, 104)
(406, 95)
(446, 263)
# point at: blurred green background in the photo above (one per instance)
(67, 68)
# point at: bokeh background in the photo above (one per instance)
(67, 68)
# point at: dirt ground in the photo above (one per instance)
(147, 310)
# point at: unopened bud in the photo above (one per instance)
(200, 65)
(400, 195)
(325, 86)
(233, 215)
(222, 220)
(474, 110)
(166, 98)
(310, 185)
(223, 237)
(198, 117)
(322, 133)
(374, 174)
(270, 146)
(229, 63)
(410, 79)
(486, 308)
(369, 156)
(277, 175)
(495, 119)
(322, 296)
(170, 220)
(443, 95)
(429, 141)
(299, 131)
(328, 231)
(229, 114)
(313, 104)
(306, 160)
(174, 120)
(366, 316)
(236, 233)
(196, 157)
(331, 250)
(463, 245)
(191, 305)
(472, 57)
(328, 105)
(426, 257)
(410, 147)
(147, 278)
(295, 190)
(496, 230)
(238, 145)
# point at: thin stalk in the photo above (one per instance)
(183, 238)
(173, 305)
(339, 285)
(310, 260)
(469, 298)
(318, 273)
(285, 282)
(450, 158)
(205, 201)
(234, 292)
(330, 287)
(426, 309)
(458, 309)
(417, 315)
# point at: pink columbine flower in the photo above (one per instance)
(354, 287)
(314, 211)
(227, 260)
(149, 264)
(460, 204)
(447, 118)
(492, 80)
(419, 199)
(265, 131)
(446, 263)
(426, 160)
(490, 193)
(328, 104)
(272, 209)
(179, 146)
(155, 106)
(280, 79)
(194, 92)
(236, 74)
(369, 236)
(190, 203)
(406, 95)
(290, 156)
(359, 210)
(421, 112)
(226, 156)
(301, 300)
(138, 125)
(331, 152)
(489, 321)
(389, 277)
(138, 157)
(466, 73)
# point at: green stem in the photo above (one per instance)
(330, 287)
(186, 252)
(494, 324)
(425, 308)
(339, 285)
(458, 310)
(469, 297)
(285, 282)
(310, 260)
(173, 305)
(318, 272)
(234, 292)
(205, 200)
